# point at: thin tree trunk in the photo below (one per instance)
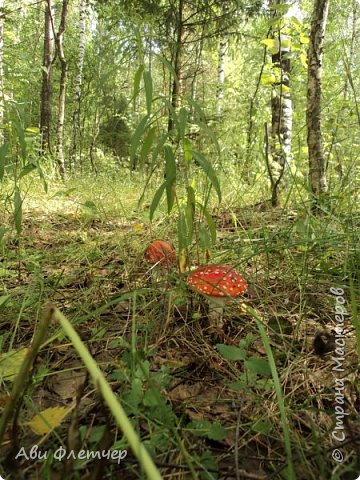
(95, 135)
(221, 70)
(350, 57)
(177, 81)
(79, 80)
(46, 89)
(62, 91)
(317, 162)
(1, 73)
(221, 77)
(281, 111)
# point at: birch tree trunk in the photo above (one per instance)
(281, 108)
(317, 162)
(76, 141)
(46, 88)
(1, 73)
(62, 91)
(350, 56)
(221, 77)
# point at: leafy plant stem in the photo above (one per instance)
(279, 394)
(109, 397)
(23, 376)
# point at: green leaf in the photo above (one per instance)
(148, 90)
(158, 149)
(133, 397)
(18, 210)
(207, 429)
(230, 352)
(169, 67)
(90, 205)
(97, 433)
(2, 233)
(285, 43)
(139, 43)
(3, 300)
(280, 8)
(258, 365)
(268, 79)
(183, 118)
(182, 231)
(296, 22)
(209, 171)
(154, 164)
(43, 179)
(197, 107)
(210, 134)
(271, 43)
(10, 364)
(3, 152)
(21, 136)
(170, 176)
(204, 238)
(239, 385)
(170, 164)
(187, 147)
(262, 426)
(137, 79)
(152, 398)
(208, 462)
(136, 138)
(170, 196)
(285, 89)
(146, 146)
(30, 167)
(303, 60)
(211, 224)
(65, 193)
(189, 213)
(304, 40)
(32, 130)
(156, 199)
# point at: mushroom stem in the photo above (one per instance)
(219, 284)
(216, 311)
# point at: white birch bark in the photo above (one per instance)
(221, 77)
(62, 91)
(79, 77)
(317, 162)
(281, 106)
(46, 89)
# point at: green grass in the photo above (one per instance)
(268, 411)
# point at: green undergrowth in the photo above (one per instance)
(254, 397)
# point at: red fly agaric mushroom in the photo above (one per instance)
(160, 254)
(220, 284)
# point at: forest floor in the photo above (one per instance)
(218, 415)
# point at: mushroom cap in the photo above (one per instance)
(217, 281)
(160, 251)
